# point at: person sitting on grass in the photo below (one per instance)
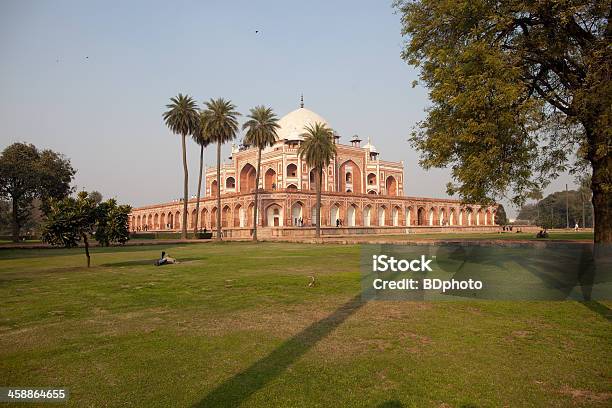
(165, 260)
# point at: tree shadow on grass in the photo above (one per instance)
(599, 308)
(241, 386)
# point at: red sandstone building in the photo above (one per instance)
(361, 192)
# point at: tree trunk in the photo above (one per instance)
(256, 206)
(185, 189)
(601, 184)
(195, 227)
(318, 214)
(15, 227)
(86, 242)
(219, 191)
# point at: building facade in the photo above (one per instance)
(359, 191)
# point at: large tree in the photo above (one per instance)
(318, 150)
(182, 119)
(221, 126)
(27, 174)
(202, 138)
(261, 132)
(516, 86)
(73, 220)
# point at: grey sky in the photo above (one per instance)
(91, 80)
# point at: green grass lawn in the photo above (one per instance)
(235, 324)
(553, 236)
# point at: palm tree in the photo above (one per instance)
(182, 118)
(221, 126)
(318, 150)
(201, 137)
(261, 132)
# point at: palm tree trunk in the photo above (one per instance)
(195, 227)
(219, 191)
(318, 214)
(185, 189)
(256, 206)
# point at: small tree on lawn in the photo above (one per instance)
(72, 220)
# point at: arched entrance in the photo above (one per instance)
(238, 216)
(225, 216)
(421, 217)
(334, 215)
(395, 216)
(391, 186)
(351, 215)
(431, 216)
(274, 215)
(270, 179)
(408, 216)
(213, 218)
(213, 188)
(366, 215)
(247, 178)
(250, 212)
(350, 177)
(382, 212)
(296, 213)
(203, 220)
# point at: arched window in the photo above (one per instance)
(292, 170)
(230, 182)
(349, 177)
(371, 179)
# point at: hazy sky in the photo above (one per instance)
(91, 80)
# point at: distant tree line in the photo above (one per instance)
(550, 212)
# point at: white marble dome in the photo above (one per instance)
(292, 124)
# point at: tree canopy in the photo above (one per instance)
(517, 88)
(72, 220)
(27, 174)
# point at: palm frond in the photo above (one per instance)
(261, 127)
(220, 124)
(182, 115)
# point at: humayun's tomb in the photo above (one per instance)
(360, 192)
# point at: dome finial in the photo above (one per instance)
(301, 100)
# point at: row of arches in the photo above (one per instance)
(297, 214)
(350, 180)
